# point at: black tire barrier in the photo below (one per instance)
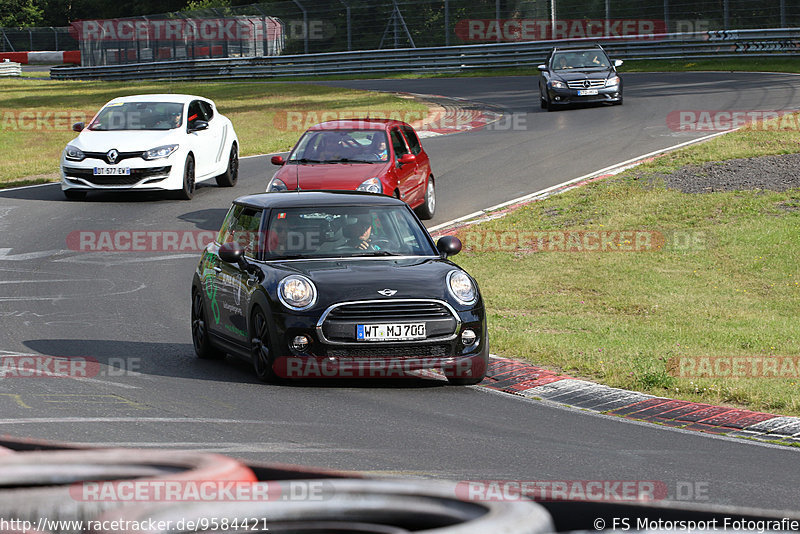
(55, 484)
(340, 506)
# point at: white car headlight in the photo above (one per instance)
(159, 152)
(276, 184)
(461, 287)
(297, 292)
(372, 185)
(611, 82)
(557, 84)
(74, 153)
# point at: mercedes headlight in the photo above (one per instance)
(297, 292)
(276, 184)
(557, 84)
(372, 185)
(159, 152)
(461, 287)
(74, 153)
(611, 82)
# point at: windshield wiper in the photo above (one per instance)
(306, 160)
(375, 253)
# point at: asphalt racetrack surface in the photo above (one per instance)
(130, 312)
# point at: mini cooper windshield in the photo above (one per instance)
(345, 231)
(138, 116)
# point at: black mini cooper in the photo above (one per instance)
(336, 284)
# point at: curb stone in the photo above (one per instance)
(530, 381)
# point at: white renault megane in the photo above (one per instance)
(151, 143)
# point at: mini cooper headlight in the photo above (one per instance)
(159, 152)
(297, 292)
(611, 82)
(558, 84)
(461, 287)
(276, 184)
(372, 185)
(73, 153)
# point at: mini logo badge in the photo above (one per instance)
(112, 155)
(387, 292)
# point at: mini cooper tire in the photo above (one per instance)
(261, 351)
(428, 207)
(231, 174)
(200, 336)
(189, 185)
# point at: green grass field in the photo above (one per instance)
(36, 115)
(725, 282)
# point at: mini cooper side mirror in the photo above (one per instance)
(234, 253)
(541, 68)
(448, 245)
(277, 160)
(198, 126)
(618, 62)
(78, 127)
(231, 252)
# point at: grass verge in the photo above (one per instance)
(725, 283)
(36, 115)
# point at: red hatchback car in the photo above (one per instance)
(375, 155)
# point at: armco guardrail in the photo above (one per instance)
(712, 44)
(9, 68)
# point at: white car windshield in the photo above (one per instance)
(138, 116)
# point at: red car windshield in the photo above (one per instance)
(341, 146)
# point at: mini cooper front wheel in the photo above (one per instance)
(200, 338)
(261, 348)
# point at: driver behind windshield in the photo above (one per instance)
(358, 235)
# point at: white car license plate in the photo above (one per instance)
(587, 92)
(112, 171)
(390, 332)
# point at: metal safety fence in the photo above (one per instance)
(294, 27)
(711, 44)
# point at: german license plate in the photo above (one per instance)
(390, 331)
(587, 92)
(112, 171)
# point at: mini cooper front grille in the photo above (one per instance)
(338, 324)
(390, 311)
(582, 84)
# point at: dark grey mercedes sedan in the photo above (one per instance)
(579, 75)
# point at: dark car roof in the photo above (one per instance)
(356, 124)
(301, 199)
(577, 48)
